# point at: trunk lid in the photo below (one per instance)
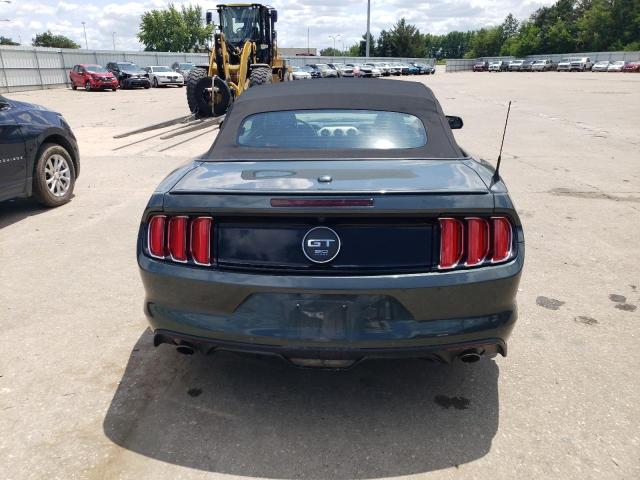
(357, 176)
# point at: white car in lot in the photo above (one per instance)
(581, 64)
(564, 65)
(498, 66)
(163, 76)
(617, 66)
(300, 73)
(542, 65)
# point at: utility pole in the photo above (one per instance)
(113, 37)
(86, 44)
(368, 27)
(308, 49)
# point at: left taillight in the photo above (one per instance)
(156, 236)
(201, 240)
(180, 238)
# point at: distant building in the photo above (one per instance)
(291, 52)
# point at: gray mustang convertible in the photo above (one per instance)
(330, 222)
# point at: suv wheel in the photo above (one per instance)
(54, 176)
(87, 86)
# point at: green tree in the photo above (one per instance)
(48, 39)
(7, 41)
(595, 27)
(510, 27)
(173, 30)
(383, 45)
(362, 46)
(487, 42)
(331, 52)
(560, 38)
(405, 40)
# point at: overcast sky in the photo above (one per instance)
(322, 17)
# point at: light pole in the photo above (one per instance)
(368, 27)
(334, 37)
(86, 44)
(113, 37)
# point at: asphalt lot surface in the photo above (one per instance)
(83, 393)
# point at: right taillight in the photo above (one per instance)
(502, 239)
(475, 240)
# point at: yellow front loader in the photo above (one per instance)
(244, 54)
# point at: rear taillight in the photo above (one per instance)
(478, 241)
(180, 238)
(156, 238)
(177, 238)
(502, 239)
(201, 240)
(451, 247)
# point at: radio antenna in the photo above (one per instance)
(496, 174)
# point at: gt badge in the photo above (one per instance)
(321, 245)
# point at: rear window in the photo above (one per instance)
(332, 129)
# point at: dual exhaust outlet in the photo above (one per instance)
(468, 356)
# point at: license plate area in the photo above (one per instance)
(320, 318)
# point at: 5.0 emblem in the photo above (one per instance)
(321, 245)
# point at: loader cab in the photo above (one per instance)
(253, 22)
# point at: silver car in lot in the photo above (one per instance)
(516, 65)
(325, 70)
(543, 66)
(601, 66)
(182, 68)
(161, 76)
(342, 69)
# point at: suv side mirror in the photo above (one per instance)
(274, 15)
(209, 17)
(455, 123)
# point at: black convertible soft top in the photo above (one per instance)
(346, 93)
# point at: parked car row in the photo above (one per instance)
(127, 75)
(372, 69)
(571, 64)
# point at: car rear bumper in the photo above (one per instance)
(103, 84)
(166, 81)
(433, 314)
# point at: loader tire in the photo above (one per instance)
(197, 98)
(260, 76)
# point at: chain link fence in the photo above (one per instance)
(29, 68)
(466, 64)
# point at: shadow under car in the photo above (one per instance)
(258, 416)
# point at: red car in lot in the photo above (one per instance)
(92, 77)
(631, 67)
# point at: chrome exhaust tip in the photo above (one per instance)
(185, 349)
(469, 356)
